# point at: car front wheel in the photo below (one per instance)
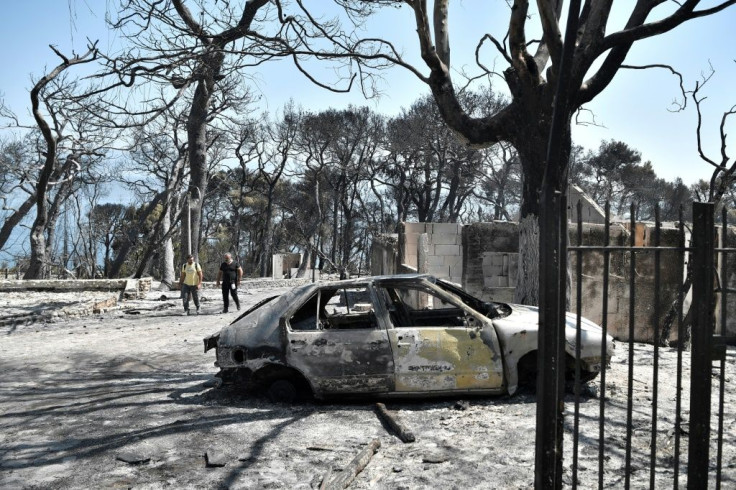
(527, 369)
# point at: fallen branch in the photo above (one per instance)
(348, 474)
(326, 479)
(393, 421)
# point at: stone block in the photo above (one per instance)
(101, 306)
(448, 250)
(500, 264)
(500, 294)
(496, 282)
(513, 269)
(411, 240)
(436, 261)
(456, 271)
(498, 236)
(415, 228)
(144, 284)
(437, 228)
(446, 239)
(455, 261)
(439, 271)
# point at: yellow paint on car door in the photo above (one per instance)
(430, 359)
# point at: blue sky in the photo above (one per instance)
(633, 109)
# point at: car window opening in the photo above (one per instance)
(421, 307)
(336, 309)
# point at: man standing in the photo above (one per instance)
(191, 281)
(230, 274)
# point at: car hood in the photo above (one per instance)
(524, 317)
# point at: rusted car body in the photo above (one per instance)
(402, 335)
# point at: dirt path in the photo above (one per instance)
(78, 396)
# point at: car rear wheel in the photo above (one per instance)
(281, 384)
(282, 391)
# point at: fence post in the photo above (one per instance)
(702, 332)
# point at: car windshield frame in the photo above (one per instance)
(491, 309)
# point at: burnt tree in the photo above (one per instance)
(196, 48)
(39, 229)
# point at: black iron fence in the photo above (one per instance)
(662, 417)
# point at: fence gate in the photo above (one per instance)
(657, 419)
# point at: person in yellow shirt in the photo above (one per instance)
(191, 281)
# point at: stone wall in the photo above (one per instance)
(126, 288)
(266, 283)
(63, 284)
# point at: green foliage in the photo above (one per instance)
(615, 174)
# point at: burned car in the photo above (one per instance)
(398, 335)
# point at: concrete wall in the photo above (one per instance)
(283, 265)
(620, 279)
(385, 255)
(730, 280)
(444, 254)
(590, 211)
(490, 252)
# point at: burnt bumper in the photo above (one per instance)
(211, 341)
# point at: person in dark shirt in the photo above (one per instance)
(229, 276)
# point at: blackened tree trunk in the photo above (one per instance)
(38, 260)
(65, 188)
(267, 239)
(533, 157)
(131, 236)
(197, 138)
(16, 217)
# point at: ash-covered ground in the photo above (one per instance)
(123, 399)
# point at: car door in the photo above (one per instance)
(439, 344)
(336, 341)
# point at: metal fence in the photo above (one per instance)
(654, 434)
